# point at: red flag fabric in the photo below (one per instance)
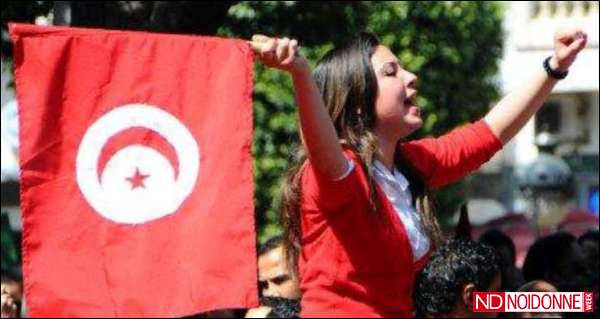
(136, 175)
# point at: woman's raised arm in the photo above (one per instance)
(318, 133)
(516, 108)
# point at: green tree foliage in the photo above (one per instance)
(453, 46)
(11, 259)
(189, 17)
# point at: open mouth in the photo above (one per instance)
(411, 103)
(410, 100)
(415, 110)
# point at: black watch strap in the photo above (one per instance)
(553, 73)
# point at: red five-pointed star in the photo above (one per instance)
(137, 180)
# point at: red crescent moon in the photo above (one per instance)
(137, 136)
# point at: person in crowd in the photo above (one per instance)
(275, 279)
(558, 260)
(11, 296)
(278, 286)
(538, 286)
(589, 246)
(458, 268)
(276, 307)
(512, 278)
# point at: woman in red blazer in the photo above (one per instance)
(357, 218)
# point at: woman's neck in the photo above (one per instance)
(387, 148)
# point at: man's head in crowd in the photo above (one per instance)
(504, 246)
(12, 294)
(457, 269)
(590, 246)
(274, 277)
(538, 286)
(557, 259)
(276, 307)
(282, 307)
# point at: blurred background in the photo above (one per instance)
(466, 54)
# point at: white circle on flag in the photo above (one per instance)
(139, 183)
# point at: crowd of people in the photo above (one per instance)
(555, 263)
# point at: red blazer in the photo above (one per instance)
(356, 264)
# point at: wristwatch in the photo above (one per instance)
(554, 73)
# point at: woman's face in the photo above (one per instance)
(395, 107)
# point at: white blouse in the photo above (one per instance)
(395, 187)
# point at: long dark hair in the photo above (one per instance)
(348, 85)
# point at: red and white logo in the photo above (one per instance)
(533, 302)
(138, 179)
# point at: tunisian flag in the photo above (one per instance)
(136, 175)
